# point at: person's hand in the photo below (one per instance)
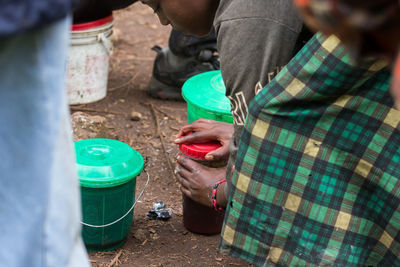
(197, 180)
(203, 130)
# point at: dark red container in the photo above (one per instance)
(198, 218)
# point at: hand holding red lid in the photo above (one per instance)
(204, 131)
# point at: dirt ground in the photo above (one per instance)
(150, 242)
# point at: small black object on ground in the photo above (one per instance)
(158, 212)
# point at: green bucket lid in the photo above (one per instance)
(207, 91)
(106, 162)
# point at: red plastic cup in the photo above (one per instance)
(198, 218)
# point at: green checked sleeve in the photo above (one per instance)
(316, 181)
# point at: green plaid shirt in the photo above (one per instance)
(317, 176)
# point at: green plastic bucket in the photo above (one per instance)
(107, 171)
(205, 97)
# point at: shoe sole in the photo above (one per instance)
(159, 90)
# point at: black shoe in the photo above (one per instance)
(171, 71)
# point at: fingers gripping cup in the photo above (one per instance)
(199, 218)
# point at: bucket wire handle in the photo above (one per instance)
(108, 45)
(134, 204)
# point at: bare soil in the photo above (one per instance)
(150, 242)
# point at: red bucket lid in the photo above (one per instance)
(198, 150)
(92, 24)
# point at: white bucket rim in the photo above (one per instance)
(93, 31)
(90, 32)
(95, 24)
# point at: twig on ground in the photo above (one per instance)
(115, 259)
(188, 258)
(124, 84)
(143, 58)
(105, 253)
(133, 43)
(173, 228)
(153, 111)
(174, 257)
(73, 108)
(174, 128)
(166, 114)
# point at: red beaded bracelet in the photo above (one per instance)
(214, 195)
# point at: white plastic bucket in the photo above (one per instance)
(88, 61)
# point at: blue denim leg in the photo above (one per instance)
(39, 192)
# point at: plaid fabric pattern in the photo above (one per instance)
(316, 181)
